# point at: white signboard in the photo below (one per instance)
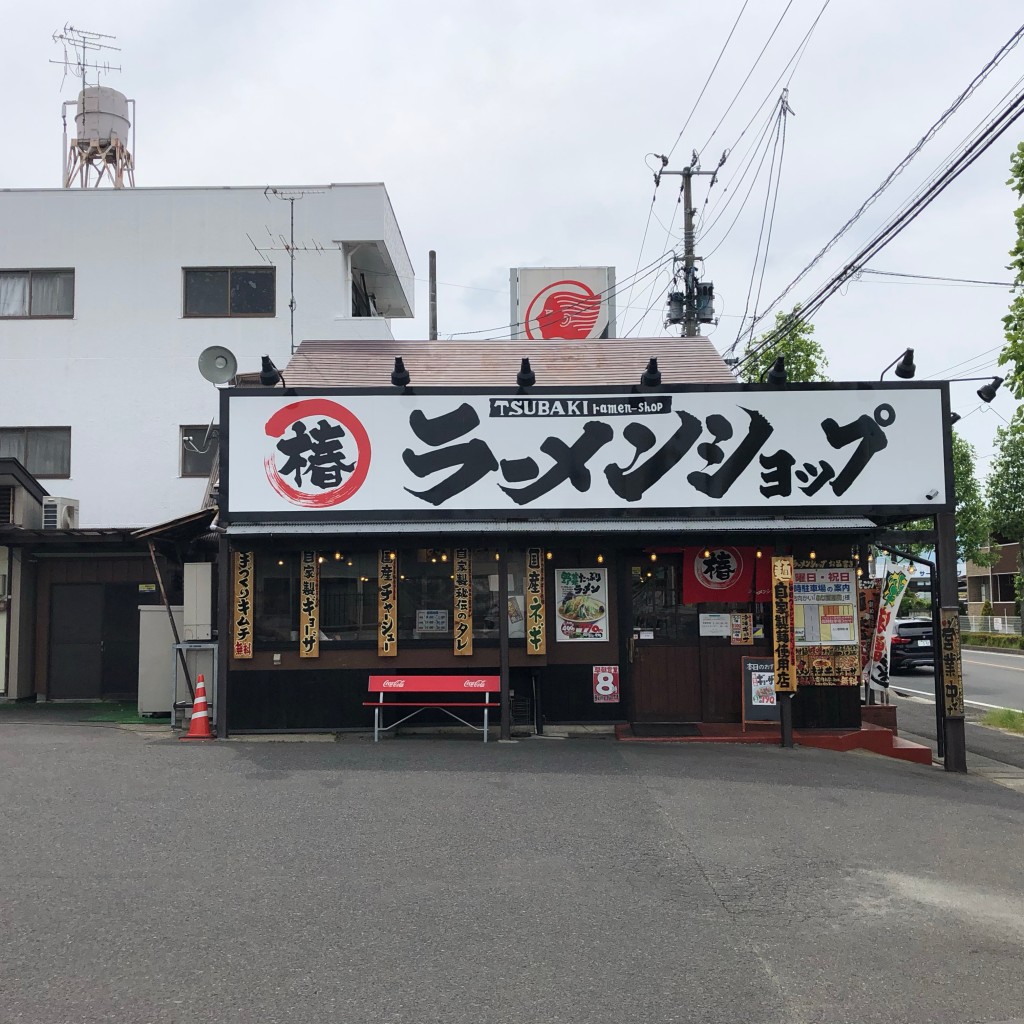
(825, 606)
(431, 620)
(331, 455)
(572, 303)
(716, 624)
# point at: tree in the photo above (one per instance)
(1012, 354)
(1006, 488)
(805, 358)
(971, 512)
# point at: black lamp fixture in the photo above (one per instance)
(954, 418)
(526, 378)
(270, 375)
(988, 391)
(400, 375)
(652, 375)
(904, 364)
(776, 373)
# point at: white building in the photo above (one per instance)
(108, 296)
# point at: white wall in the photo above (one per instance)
(123, 373)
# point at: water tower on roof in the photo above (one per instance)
(99, 152)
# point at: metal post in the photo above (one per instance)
(224, 585)
(433, 295)
(506, 696)
(786, 719)
(174, 627)
(940, 700)
(955, 756)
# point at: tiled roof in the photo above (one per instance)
(597, 362)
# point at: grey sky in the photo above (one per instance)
(516, 134)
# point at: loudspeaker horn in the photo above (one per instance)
(217, 364)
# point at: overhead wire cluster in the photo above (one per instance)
(769, 137)
(923, 190)
(976, 145)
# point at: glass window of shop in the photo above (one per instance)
(486, 609)
(276, 606)
(348, 596)
(426, 593)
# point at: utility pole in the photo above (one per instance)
(689, 275)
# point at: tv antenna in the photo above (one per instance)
(99, 152)
(289, 196)
(79, 45)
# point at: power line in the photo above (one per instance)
(930, 277)
(791, 65)
(764, 138)
(651, 268)
(901, 166)
(710, 75)
(753, 66)
(779, 123)
(993, 131)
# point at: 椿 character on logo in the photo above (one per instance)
(326, 451)
(326, 460)
(719, 566)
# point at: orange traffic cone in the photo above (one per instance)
(199, 727)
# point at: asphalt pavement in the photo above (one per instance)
(439, 879)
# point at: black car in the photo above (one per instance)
(911, 645)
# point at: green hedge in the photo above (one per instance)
(1011, 640)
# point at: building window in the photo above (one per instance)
(348, 596)
(230, 291)
(364, 302)
(277, 597)
(43, 451)
(199, 449)
(37, 293)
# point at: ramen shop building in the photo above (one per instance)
(601, 539)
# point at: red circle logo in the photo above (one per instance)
(320, 463)
(718, 571)
(566, 309)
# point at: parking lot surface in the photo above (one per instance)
(439, 879)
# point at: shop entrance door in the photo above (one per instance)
(662, 644)
(94, 641)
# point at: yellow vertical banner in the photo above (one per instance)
(309, 606)
(784, 638)
(536, 625)
(462, 632)
(241, 625)
(387, 606)
(952, 669)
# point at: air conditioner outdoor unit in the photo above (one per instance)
(60, 513)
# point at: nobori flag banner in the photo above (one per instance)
(333, 455)
(876, 672)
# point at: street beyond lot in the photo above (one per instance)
(439, 879)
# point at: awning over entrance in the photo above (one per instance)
(753, 524)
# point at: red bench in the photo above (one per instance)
(421, 688)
